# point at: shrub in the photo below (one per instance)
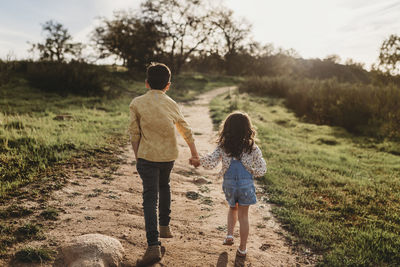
(273, 86)
(70, 78)
(360, 108)
(4, 73)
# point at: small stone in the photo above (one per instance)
(200, 180)
(125, 235)
(264, 247)
(192, 195)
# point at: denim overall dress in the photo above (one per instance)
(238, 185)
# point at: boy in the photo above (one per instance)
(152, 132)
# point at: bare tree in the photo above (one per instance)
(186, 25)
(57, 43)
(232, 39)
(234, 32)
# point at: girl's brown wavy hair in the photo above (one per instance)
(237, 135)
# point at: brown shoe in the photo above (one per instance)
(165, 232)
(151, 256)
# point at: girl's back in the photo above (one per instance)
(253, 161)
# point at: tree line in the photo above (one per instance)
(163, 30)
(199, 36)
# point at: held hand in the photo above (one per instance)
(195, 161)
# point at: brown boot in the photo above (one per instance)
(165, 232)
(151, 256)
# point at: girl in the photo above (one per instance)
(241, 161)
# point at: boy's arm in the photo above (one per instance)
(135, 146)
(195, 159)
(186, 132)
(134, 130)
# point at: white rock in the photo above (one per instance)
(93, 250)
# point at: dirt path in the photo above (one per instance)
(96, 203)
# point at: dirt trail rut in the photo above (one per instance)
(199, 209)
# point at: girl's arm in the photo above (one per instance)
(259, 165)
(210, 161)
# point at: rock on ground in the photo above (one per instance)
(93, 250)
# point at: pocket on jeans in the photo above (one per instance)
(247, 193)
(227, 191)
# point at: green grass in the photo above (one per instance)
(6, 237)
(336, 192)
(28, 231)
(15, 211)
(34, 255)
(50, 214)
(39, 129)
(10, 234)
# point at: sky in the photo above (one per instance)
(314, 28)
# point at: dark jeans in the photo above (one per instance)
(155, 177)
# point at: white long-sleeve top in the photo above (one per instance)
(253, 162)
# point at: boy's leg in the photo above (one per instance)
(243, 215)
(164, 205)
(149, 173)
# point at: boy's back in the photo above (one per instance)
(156, 115)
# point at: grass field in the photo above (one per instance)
(337, 193)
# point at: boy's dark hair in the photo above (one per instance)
(237, 135)
(158, 75)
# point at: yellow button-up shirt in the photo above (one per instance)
(153, 117)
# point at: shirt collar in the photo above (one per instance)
(156, 91)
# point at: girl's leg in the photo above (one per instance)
(232, 218)
(243, 214)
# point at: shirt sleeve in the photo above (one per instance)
(183, 127)
(211, 160)
(134, 127)
(259, 166)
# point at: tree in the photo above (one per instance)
(389, 57)
(134, 40)
(57, 43)
(234, 35)
(186, 25)
(333, 58)
(233, 32)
